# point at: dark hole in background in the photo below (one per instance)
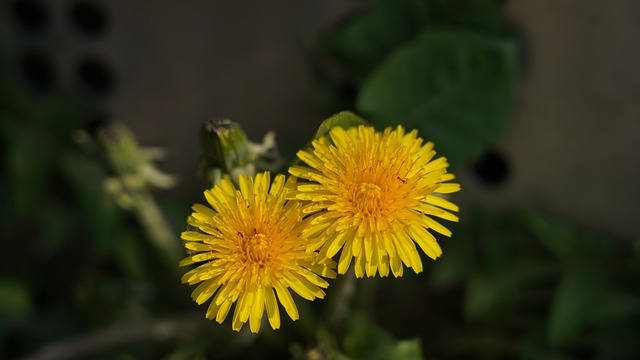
(31, 15)
(95, 76)
(89, 18)
(38, 71)
(492, 168)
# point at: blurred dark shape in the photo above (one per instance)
(492, 168)
(89, 18)
(95, 76)
(31, 15)
(38, 71)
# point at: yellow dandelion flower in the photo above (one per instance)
(250, 248)
(371, 194)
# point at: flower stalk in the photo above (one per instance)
(134, 177)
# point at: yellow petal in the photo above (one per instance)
(272, 308)
(287, 301)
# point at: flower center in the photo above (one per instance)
(257, 248)
(368, 197)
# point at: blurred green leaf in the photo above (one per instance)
(58, 223)
(458, 260)
(477, 15)
(365, 40)
(15, 300)
(456, 87)
(367, 341)
(131, 255)
(344, 119)
(490, 292)
(362, 42)
(586, 296)
(87, 176)
(30, 156)
(60, 115)
(566, 242)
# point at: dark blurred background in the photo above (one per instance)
(561, 167)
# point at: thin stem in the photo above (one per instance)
(135, 175)
(156, 227)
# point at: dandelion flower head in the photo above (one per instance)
(249, 249)
(372, 195)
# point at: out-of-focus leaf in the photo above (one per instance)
(566, 242)
(11, 100)
(30, 155)
(532, 346)
(59, 115)
(367, 341)
(586, 296)
(363, 41)
(458, 260)
(344, 119)
(58, 223)
(478, 15)
(87, 177)
(131, 256)
(15, 300)
(490, 292)
(456, 87)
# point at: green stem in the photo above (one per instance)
(156, 227)
(134, 176)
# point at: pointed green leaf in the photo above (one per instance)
(344, 119)
(455, 87)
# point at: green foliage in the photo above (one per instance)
(455, 87)
(15, 300)
(75, 267)
(560, 289)
(365, 340)
(70, 259)
(364, 41)
(344, 119)
(442, 67)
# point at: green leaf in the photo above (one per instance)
(367, 341)
(456, 87)
(344, 119)
(586, 296)
(489, 292)
(30, 156)
(367, 39)
(458, 260)
(86, 177)
(477, 15)
(58, 221)
(15, 300)
(362, 42)
(60, 115)
(568, 243)
(131, 256)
